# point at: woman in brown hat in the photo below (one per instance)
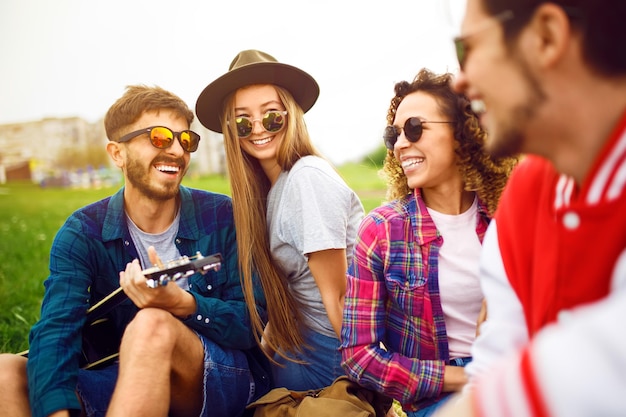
(296, 218)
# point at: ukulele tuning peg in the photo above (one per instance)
(164, 279)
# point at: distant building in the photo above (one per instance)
(37, 150)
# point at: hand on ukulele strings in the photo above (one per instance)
(168, 297)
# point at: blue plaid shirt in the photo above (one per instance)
(86, 256)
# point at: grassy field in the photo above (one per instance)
(30, 217)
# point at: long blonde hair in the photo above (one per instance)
(249, 188)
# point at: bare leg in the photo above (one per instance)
(161, 368)
(13, 386)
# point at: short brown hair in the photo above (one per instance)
(137, 100)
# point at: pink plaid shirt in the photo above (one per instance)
(393, 298)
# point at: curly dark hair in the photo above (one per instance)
(482, 173)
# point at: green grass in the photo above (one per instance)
(30, 217)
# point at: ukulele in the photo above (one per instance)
(100, 345)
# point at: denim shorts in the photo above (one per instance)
(227, 383)
(322, 367)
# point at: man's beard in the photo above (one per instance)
(511, 138)
(139, 177)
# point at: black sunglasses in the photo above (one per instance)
(162, 137)
(459, 42)
(412, 131)
(272, 121)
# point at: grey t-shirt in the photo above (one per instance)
(164, 244)
(310, 208)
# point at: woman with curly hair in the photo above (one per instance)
(413, 297)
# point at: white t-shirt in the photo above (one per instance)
(459, 284)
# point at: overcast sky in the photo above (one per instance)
(65, 58)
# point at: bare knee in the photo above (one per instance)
(151, 328)
(13, 384)
(13, 369)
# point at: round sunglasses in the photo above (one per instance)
(412, 131)
(272, 121)
(162, 137)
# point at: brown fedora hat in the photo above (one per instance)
(254, 67)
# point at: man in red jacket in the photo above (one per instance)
(551, 77)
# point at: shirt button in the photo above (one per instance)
(209, 287)
(571, 220)
(207, 320)
(199, 317)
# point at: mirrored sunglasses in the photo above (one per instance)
(412, 131)
(272, 121)
(162, 137)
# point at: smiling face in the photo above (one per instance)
(152, 172)
(431, 162)
(253, 102)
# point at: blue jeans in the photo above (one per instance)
(227, 384)
(322, 367)
(430, 410)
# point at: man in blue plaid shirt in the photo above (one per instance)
(186, 347)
